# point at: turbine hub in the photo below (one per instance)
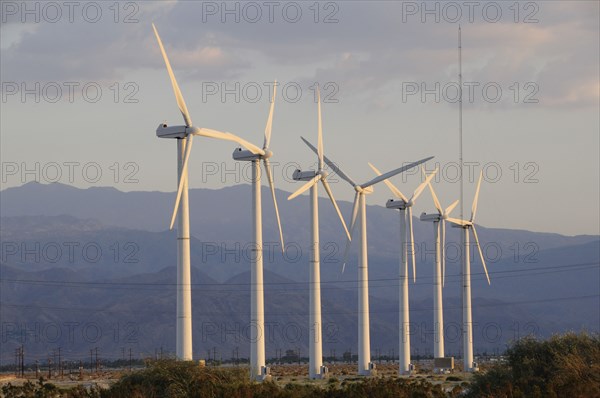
(192, 130)
(267, 154)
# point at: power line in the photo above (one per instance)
(138, 285)
(271, 314)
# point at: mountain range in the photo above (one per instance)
(81, 268)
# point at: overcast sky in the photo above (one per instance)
(84, 88)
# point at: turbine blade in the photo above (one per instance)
(270, 119)
(182, 179)
(272, 186)
(450, 208)
(320, 128)
(476, 199)
(481, 254)
(422, 186)
(352, 226)
(337, 209)
(436, 201)
(204, 132)
(331, 164)
(391, 186)
(176, 90)
(304, 187)
(394, 172)
(458, 221)
(411, 244)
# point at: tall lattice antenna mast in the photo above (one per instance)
(460, 127)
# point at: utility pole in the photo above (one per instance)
(96, 359)
(22, 361)
(49, 367)
(60, 370)
(130, 359)
(91, 360)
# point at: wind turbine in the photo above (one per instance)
(258, 369)
(404, 205)
(184, 135)
(365, 366)
(439, 268)
(316, 368)
(466, 225)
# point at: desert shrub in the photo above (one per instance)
(563, 366)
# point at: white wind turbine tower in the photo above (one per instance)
(404, 205)
(258, 369)
(466, 225)
(184, 135)
(315, 367)
(439, 268)
(365, 366)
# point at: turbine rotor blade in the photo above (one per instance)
(458, 221)
(450, 208)
(422, 186)
(476, 199)
(412, 243)
(480, 253)
(337, 209)
(270, 119)
(204, 132)
(272, 186)
(331, 164)
(176, 90)
(393, 173)
(182, 179)
(436, 201)
(389, 184)
(320, 128)
(352, 226)
(305, 187)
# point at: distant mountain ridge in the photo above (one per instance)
(229, 221)
(128, 291)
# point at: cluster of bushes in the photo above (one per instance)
(180, 379)
(173, 379)
(42, 389)
(562, 366)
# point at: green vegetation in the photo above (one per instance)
(562, 366)
(181, 379)
(43, 389)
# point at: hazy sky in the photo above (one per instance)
(84, 88)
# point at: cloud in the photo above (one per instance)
(367, 51)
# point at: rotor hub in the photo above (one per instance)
(267, 154)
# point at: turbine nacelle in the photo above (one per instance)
(300, 175)
(430, 217)
(244, 154)
(396, 204)
(165, 131)
(465, 225)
